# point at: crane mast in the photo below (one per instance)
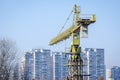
(75, 63)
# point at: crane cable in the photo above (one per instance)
(64, 26)
(66, 21)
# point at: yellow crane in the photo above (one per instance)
(75, 63)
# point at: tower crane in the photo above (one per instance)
(75, 63)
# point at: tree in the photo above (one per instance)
(8, 54)
(16, 72)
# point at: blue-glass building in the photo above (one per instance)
(94, 60)
(60, 68)
(38, 65)
(115, 73)
(28, 66)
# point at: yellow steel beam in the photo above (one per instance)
(62, 36)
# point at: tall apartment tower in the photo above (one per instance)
(60, 68)
(38, 65)
(94, 61)
(28, 66)
(115, 73)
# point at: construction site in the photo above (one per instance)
(59, 40)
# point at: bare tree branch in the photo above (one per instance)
(8, 52)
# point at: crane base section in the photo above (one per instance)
(75, 67)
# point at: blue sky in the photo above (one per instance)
(32, 23)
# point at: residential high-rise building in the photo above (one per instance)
(60, 68)
(41, 64)
(28, 66)
(94, 60)
(115, 73)
(38, 65)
